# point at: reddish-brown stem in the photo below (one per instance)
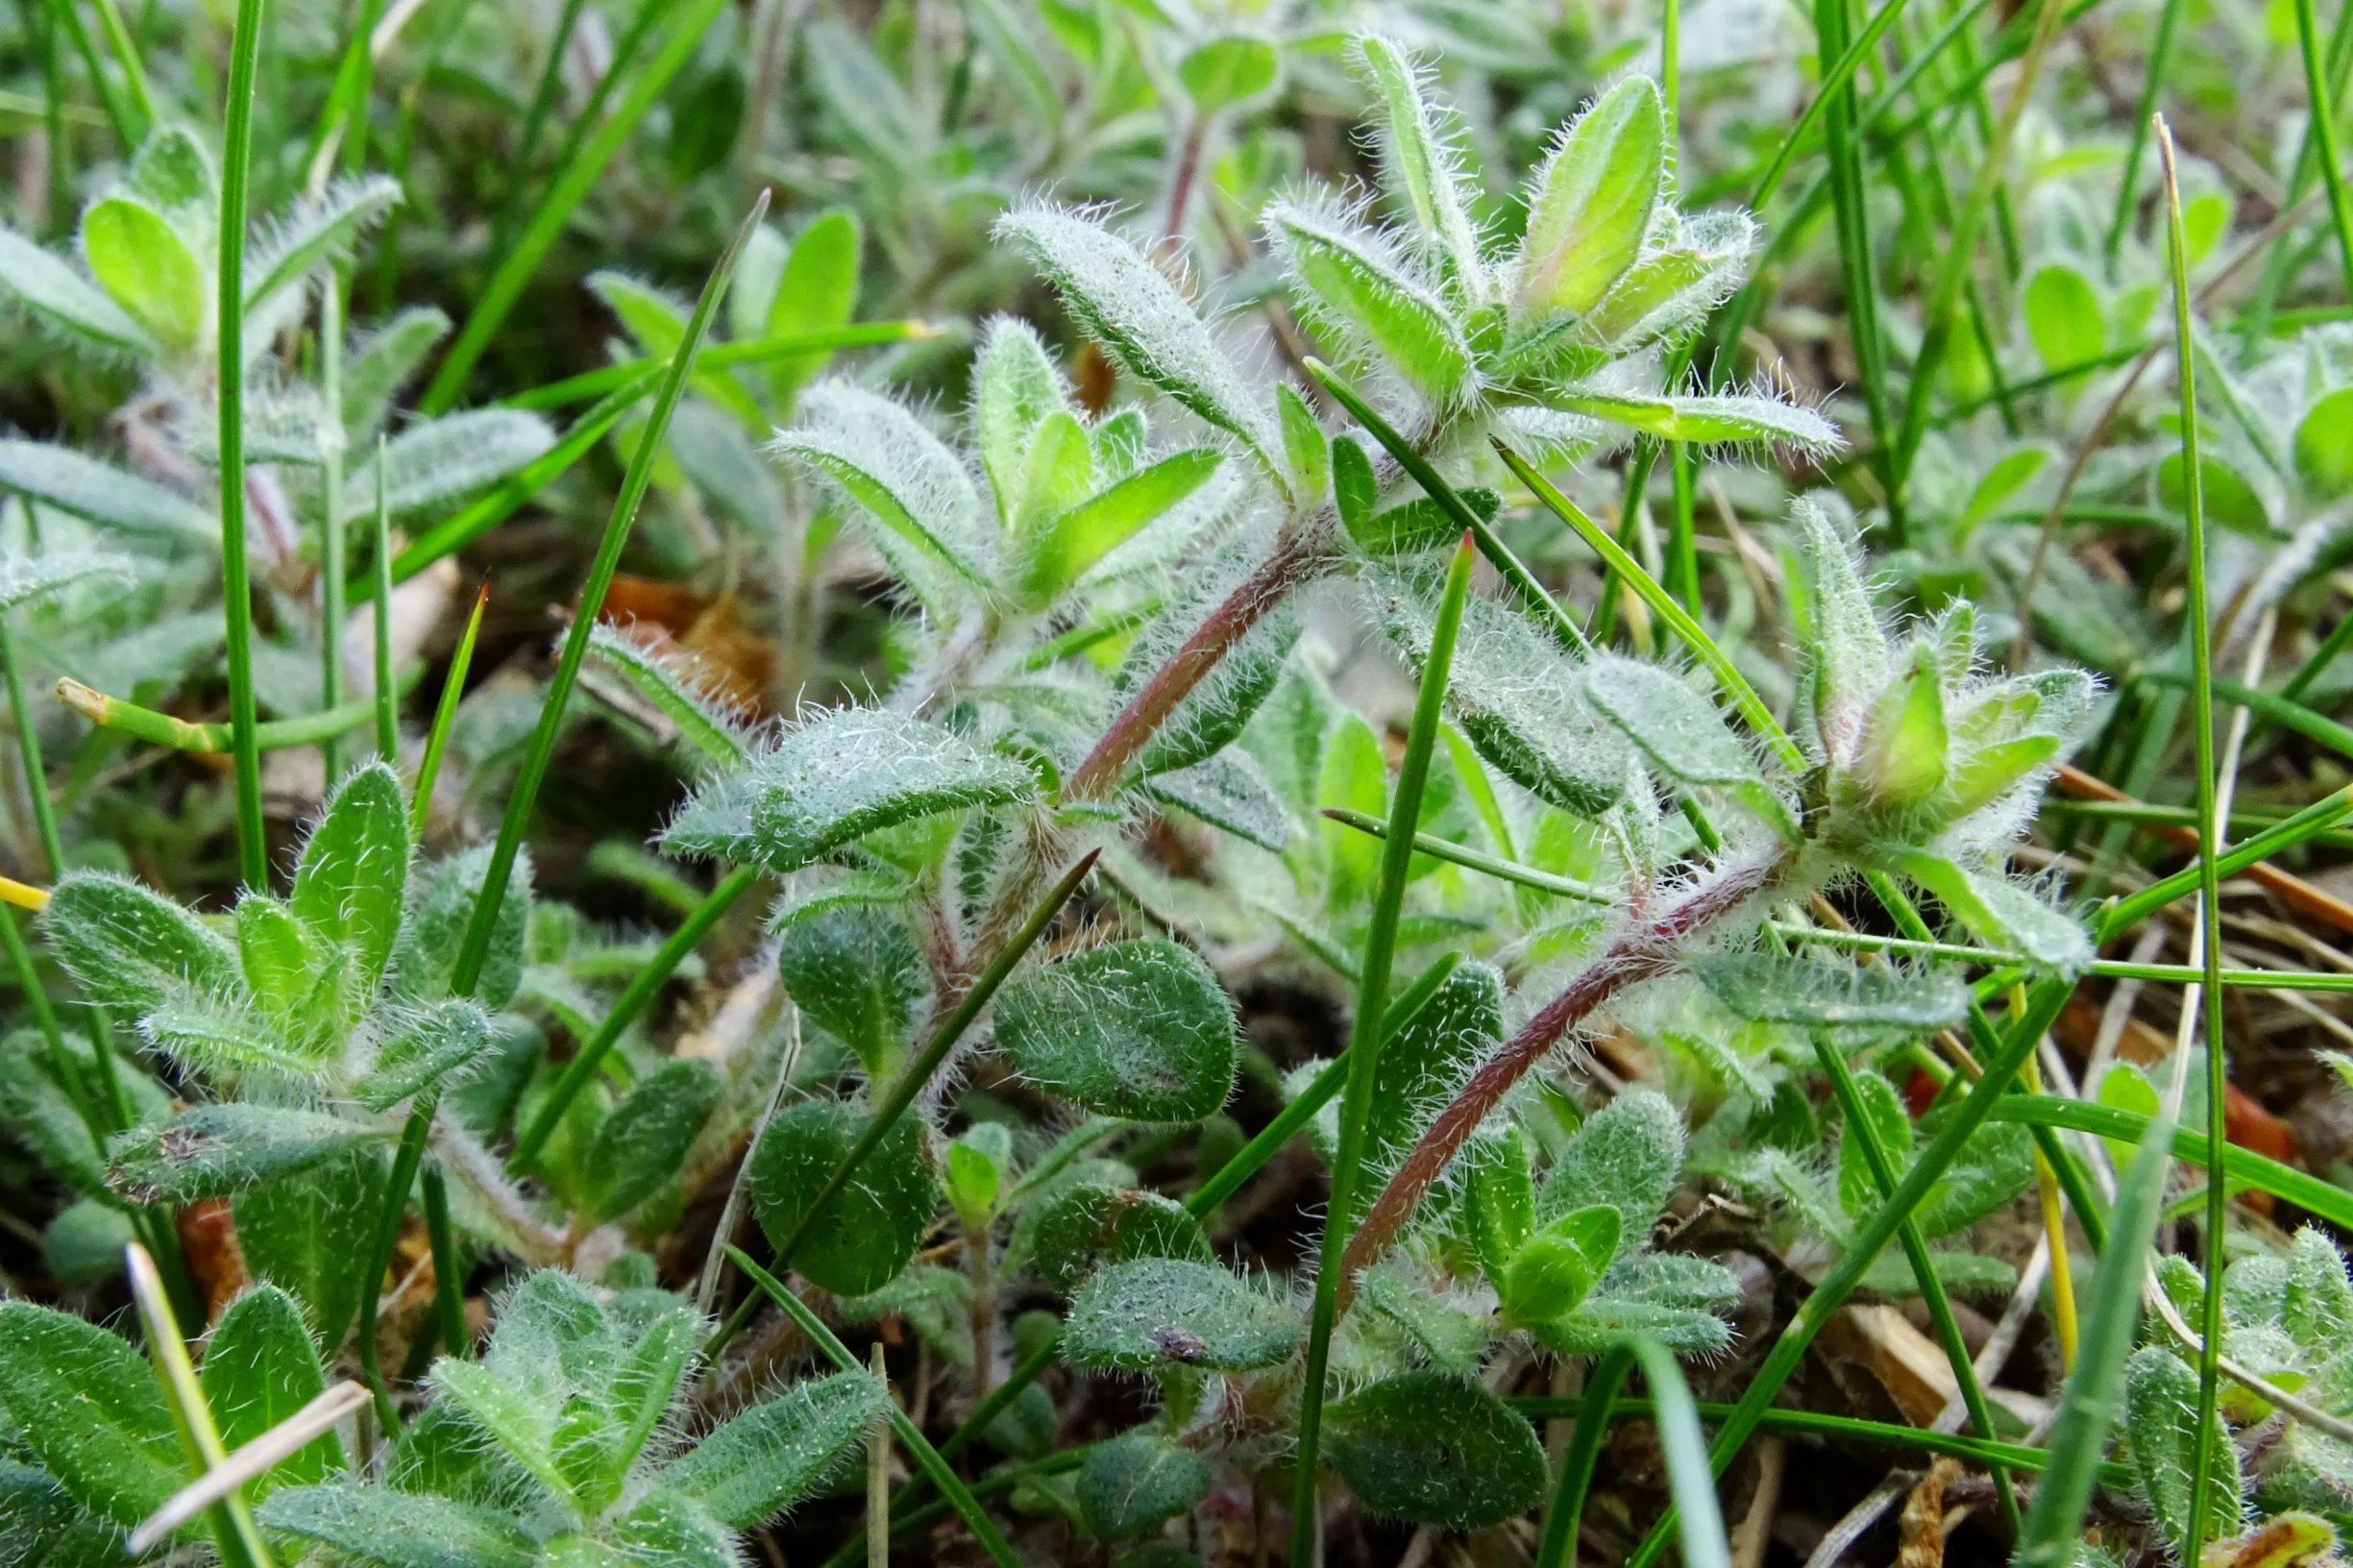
(1650, 949)
(1300, 554)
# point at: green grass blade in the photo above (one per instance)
(1662, 603)
(750, 351)
(1437, 848)
(1557, 1547)
(2199, 629)
(379, 586)
(564, 193)
(917, 1073)
(2240, 1168)
(918, 1447)
(1365, 1035)
(644, 986)
(475, 946)
(236, 589)
(235, 1534)
(1939, 1304)
(331, 542)
(445, 713)
(2087, 1404)
(1530, 593)
(2323, 134)
(186, 735)
(1690, 1479)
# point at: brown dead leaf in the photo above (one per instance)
(704, 630)
(209, 1238)
(1920, 1528)
(1901, 1358)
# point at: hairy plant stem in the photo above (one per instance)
(1302, 553)
(1649, 950)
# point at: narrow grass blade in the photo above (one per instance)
(2324, 132)
(1365, 1035)
(478, 517)
(917, 1073)
(475, 946)
(235, 1534)
(236, 590)
(918, 1447)
(605, 379)
(445, 713)
(1662, 603)
(563, 194)
(644, 986)
(1437, 848)
(331, 542)
(388, 711)
(2200, 632)
(1530, 593)
(2088, 1403)
(448, 1288)
(1690, 1480)
(391, 1205)
(1865, 1131)
(248, 1462)
(1556, 1548)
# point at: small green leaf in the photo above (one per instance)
(2161, 1417)
(1016, 387)
(1560, 1265)
(1125, 302)
(1709, 419)
(41, 1527)
(1156, 1312)
(643, 1143)
(212, 1151)
(817, 292)
(1421, 164)
(24, 579)
(1307, 450)
(148, 269)
(109, 497)
(1453, 1333)
(1436, 1450)
(754, 1465)
(56, 293)
(679, 688)
(1138, 1029)
(840, 777)
(283, 962)
(1684, 735)
(442, 460)
(1858, 1190)
(1064, 547)
(386, 1528)
(1773, 989)
(899, 477)
(1092, 1223)
(129, 948)
(855, 971)
(317, 231)
(86, 1408)
(1358, 287)
(259, 1368)
(978, 1160)
(1998, 910)
(1515, 694)
(2063, 317)
(301, 1233)
(349, 881)
(1229, 791)
(1590, 204)
(1227, 71)
(1628, 1155)
(1419, 523)
(1131, 1485)
(2324, 445)
(424, 1052)
(1902, 757)
(866, 1232)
